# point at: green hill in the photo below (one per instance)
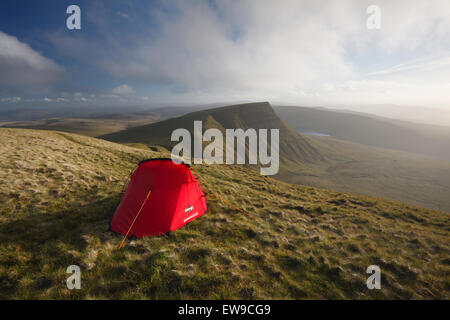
(319, 161)
(293, 147)
(58, 192)
(386, 173)
(370, 130)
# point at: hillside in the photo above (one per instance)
(319, 161)
(434, 116)
(372, 171)
(370, 130)
(59, 191)
(293, 147)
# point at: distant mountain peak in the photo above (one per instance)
(258, 115)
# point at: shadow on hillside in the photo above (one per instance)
(36, 249)
(54, 235)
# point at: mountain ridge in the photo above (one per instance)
(259, 115)
(370, 130)
(317, 161)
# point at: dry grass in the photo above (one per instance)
(42, 168)
(292, 241)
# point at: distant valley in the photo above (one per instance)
(326, 162)
(331, 149)
(371, 130)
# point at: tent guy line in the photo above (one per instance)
(137, 215)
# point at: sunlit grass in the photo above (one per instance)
(59, 192)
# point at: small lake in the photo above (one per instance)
(314, 133)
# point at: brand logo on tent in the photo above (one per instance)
(191, 217)
(189, 209)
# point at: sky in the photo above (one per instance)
(140, 52)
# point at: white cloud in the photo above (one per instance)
(21, 65)
(432, 71)
(123, 90)
(11, 99)
(298, 51)
(281, 46)
(123, 15)
(277, 50)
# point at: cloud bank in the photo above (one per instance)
(296, 51)
(123, 90)
(20, 65)
(314, 52)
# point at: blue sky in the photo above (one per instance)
(40, 23)
(186, 52)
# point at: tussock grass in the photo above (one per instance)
(59, 192)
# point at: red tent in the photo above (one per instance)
(162, 196)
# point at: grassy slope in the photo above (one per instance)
(386, 173)
(371, 130)
(320, 162)
(258, 115)
(292, 241)
(41, 170)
